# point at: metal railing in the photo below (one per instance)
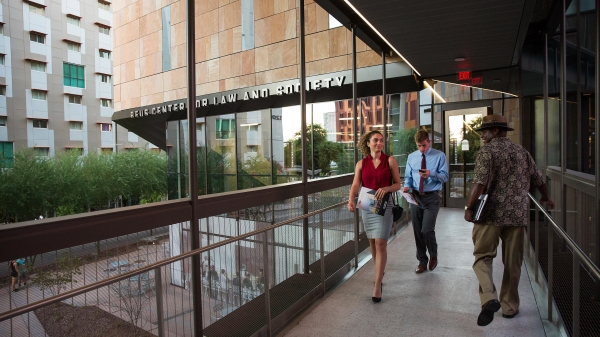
(556, 258)
(267, 296)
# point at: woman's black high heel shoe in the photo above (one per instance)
(378, 299)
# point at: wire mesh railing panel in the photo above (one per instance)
(138, 305)
(327, 198)
(177, 307)
(50, 273)
(589, 311)
(563, 281)
(288, 251)
(23, 325)
(151, 299)
(573, 291)
(237, 289)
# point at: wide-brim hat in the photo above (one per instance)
(494, 121)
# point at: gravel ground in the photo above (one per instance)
(63, 320)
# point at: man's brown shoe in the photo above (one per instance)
(420, 268)
(433, 263)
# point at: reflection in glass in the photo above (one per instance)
(220, 156)
(464, 143)
(177, 159)
(554, 132)
(255, 167)
(329, 139)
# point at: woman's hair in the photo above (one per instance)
(364, 141)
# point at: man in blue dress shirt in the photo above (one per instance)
(426, 171)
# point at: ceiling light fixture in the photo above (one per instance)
(434, 92)
(470, 86)
(459, 59)
(381, 36)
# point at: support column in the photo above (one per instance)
(193, 168)
(302, 46)
(563, 116)
(355, 135)
(596, 145)
(384, 104)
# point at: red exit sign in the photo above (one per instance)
(464, 75)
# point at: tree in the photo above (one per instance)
(70, 183)
(26, 187)
(56, 279)
(133, 298)
(403, 144)
(324, 151)
(67, 195)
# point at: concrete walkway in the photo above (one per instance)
(439, 303)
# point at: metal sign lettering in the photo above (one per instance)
(248, 95)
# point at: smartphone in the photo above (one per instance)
(422, 171)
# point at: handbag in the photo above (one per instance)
(396, 209)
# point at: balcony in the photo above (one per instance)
(252, 241)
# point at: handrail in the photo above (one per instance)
(51, 234)
(71, 293)
(576, 250)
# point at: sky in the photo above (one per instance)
(291, 117)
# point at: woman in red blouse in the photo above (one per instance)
(379, 172)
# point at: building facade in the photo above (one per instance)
(56, 78)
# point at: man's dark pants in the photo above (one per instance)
(423, 220)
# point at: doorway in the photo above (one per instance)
(462, 146)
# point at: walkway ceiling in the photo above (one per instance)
(432, 34)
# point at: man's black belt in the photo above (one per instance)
(431, 192)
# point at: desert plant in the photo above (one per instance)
(56, 279)
(133, 298)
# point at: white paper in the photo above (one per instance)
(367, 201)
(409, 198)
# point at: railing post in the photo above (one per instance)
(159, 302)
(266, 285)
(527, 243)
(575, 294)
(536, 243)
(550, 269)
(322, 252)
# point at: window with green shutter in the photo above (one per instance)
(6, 154)
(225, 128)
(73, 75)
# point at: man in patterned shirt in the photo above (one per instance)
(508, 170)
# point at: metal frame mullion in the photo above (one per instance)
(579, 119)
(302, 49)
(596, 145)
(193, 168)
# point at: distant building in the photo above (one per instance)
(56, 78)
(330, 126)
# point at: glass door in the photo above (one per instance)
(462, 145)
